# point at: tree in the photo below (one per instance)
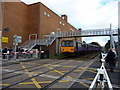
(95, 43)
(107, 45)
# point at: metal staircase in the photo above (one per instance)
(43, 42)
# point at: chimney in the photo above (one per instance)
(64, 17)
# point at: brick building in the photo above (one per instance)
(25, 20)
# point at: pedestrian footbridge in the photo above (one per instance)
(67, 34)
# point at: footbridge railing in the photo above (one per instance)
(76, 33)
(101, 80)
(88, 33)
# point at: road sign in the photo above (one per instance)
(17, 39)
(5, 39)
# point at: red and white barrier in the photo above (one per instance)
(28, 52)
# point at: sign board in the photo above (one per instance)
(4, 39)
(17, 39)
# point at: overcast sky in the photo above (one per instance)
(86, 14)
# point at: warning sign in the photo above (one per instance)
(4, 39)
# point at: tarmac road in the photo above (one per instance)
(49, 73)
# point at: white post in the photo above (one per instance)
(15, 43)
(112, 45)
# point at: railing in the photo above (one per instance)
(94, 32)
(31, 43)
(101, 80)
(51, 38)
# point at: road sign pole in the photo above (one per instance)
(15, 43)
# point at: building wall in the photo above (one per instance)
(16, 19)
(21, 20)
(52, 23)
(33, 19)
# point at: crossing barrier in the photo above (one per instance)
(20, 55)
(101, 80)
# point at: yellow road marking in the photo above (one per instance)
(68, 71)
(84, 84)
(88, 79)
(68, 66)
(78, 70)
(36, 72)
(4, 84)
(87, 68)
(91, 71)
(64, 81)
(27, 83)
(33, 79)
(44, 82)
(56, 65)
(58, 71)
(2, 67)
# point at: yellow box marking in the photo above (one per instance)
(64, 81)
(2, 67)
(87, 68)
(36, 72)
(33, 79)
(44, 82)
(78, 70)
(68, 66)
(4, 84)
(56, 65)
(91, 71)
(88, 79)
(58, 71)
(84, 84)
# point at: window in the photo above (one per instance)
(48, 15)
(45, 13)
(60, 22)
(63, 24)
(67, 44)
(63, 17)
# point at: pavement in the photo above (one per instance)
(89, 76)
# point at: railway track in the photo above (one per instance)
(60, 78)
(30, 77)
(52, 67)
(41, 67)
(29, 67)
